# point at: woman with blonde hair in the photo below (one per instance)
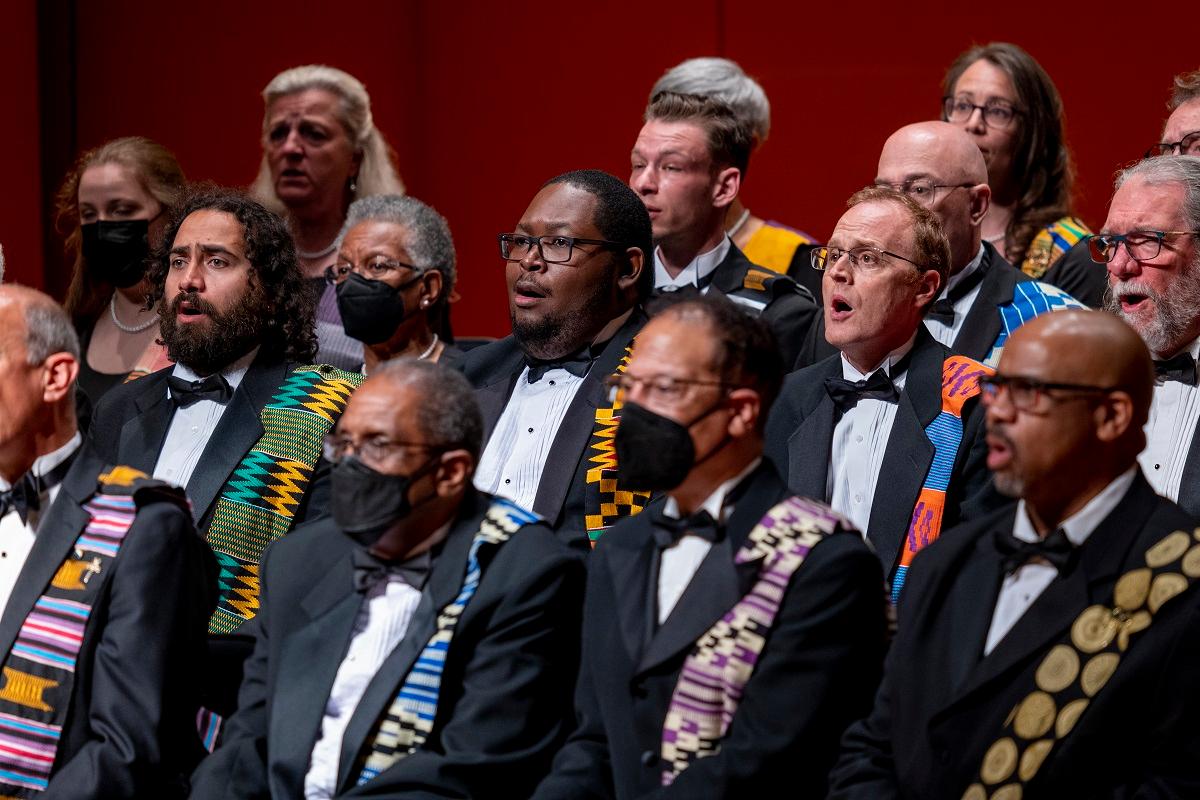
(321, 152)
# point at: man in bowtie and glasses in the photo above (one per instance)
(576, 271)
(105, 590)
(888, 430)
(1151, 244)
(732, 630)
(423, 641)
(1048, 649)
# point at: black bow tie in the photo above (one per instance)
(24, 496)
(943, 309)
(1055, 548)
(369, 570)
(686, 290)
(1181, 368)
(578, 363)
(846, 394)
(185, 392)
(669, 530)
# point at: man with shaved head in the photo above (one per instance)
(1050, 647)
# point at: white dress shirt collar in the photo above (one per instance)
(714, 504)
(851, 372)
(232, 373)
(46, 463)
(695, 273)
(1079, 526)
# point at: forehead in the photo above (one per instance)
(686, 138)
(562, 208)
(1182, 121)
(376, 234)
(12, 327)
(1139, 205)
(104, 180)
(670, 345)
(211, 227)
(907, 157)
(983, 81)
(881, 224)
(312, 103)
(381, 408)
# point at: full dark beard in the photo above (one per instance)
(229, 335)
(560, 335)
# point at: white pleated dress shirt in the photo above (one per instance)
(1174, 412)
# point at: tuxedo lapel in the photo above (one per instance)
(629, 561)
(982, 325)
(810, 446)
(494, 393)
(730, 274)
(142, 436)
(1189, 482)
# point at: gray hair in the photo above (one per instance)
(724, 81)
(1171, 169)
(376, 173)
(449, 415)
(48, 328)
(428, 243)
(1187, 88)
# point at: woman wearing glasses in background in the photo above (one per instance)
(1004, 98)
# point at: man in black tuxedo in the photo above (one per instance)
(105, 591)
(687, 166)
(1050, 648)
(1152, 250)
(888, 431)
(704, 568)
(576, 277)
(417, 587)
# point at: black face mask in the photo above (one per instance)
(371, 310)
(116, 252)
(366, 502)
(655, 453)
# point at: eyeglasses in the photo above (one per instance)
(377, 449)
(996, 113)
(921, 190)
(662, 389)
(376, 270)
(863, 259)
(1189, 145)
(551, 249)
(1139, 245)
(1028, 394)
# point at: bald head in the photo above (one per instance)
(938, 144)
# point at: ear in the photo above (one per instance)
(726, 187)
(630, 272)
(1113, 416)
(981, 201)
(928, 285)
(59, 373)
(431, 287)
(454, 472)
(747, 406)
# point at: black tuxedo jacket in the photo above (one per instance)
(942, 703)
(817, 672)
(493, 370)
(1076, 274)
(131, 729)
(506, 687)
(800, 440)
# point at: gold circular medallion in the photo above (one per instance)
(1132, 588)
(1167, 549)
(1094, 629)
(1097, 672)
(1000, 761)
(1010, 792)
(1058, 669)
(1069, 716)
(975, 792)
(1191, 563)
(1165, 586)
(1032, 758)
(1035, 715)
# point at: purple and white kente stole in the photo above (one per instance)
(716, 672)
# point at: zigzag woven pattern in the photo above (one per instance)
(1052, 243)
(716, 672)
(1029, 300)
(960, 382)
(409, 720)
(606, 501)
(258, 503)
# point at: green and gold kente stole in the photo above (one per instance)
(1078, 667)
(39, 670)
(258, 503)
(604, 501)
(1051, 244)
(716, 672)
(409, 719)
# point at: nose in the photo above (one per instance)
(191, 277)
(293, 145)
(532, 262)
(975, 123)
(643, 181)
(1123, 266)
(997, 409)
(839, 271)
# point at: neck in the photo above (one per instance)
(18, 455)
(134, 297)
(413, 535)
(313, 234)
(415, 344)
(706, 477)
(995, 223)
(963, 259)
(741, 231)
(1064, 501)
(557, 349)
(679, 251)
(867, 358)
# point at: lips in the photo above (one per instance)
(190, 309)
(528, 293)
(999, 451)
(839, 308)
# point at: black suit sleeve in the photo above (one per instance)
(1077, 275)
(791, 314)
(146, 668)
(782, 422)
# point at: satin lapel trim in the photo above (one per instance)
(572, 438)
(142, 436)
(629, 567)
(810, 447)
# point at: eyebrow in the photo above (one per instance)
(210, 249)
(557, 227)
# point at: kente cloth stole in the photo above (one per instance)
(409, 719)
(258, 503)
(1075, 669)
(1029, 300)
(605, 502)
(960, 382)
(39, 670)
(1051, 244)
(716, 672)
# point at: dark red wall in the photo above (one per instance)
(483, 101)
(20, 178)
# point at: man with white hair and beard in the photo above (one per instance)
(1149, 243)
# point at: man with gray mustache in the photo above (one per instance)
(1149, 243)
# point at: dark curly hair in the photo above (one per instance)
(289, 330)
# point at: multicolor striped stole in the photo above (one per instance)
(1052, 243)
(409, 719)
(960, 382)
(1079, 666)
(258, 503)
(39, 670)
(716, 672)
(605, 503)
(1030, 299)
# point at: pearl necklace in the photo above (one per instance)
(317, 253)
(112, 312)
(429, 349)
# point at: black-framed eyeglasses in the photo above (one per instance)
(1139, 245)
(377, 269)
(996, 114)
(551, 249)
(663, 389)
(922, 190)
(377, 449)
(1189, 145)
(1026, 394)
(862, 259)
